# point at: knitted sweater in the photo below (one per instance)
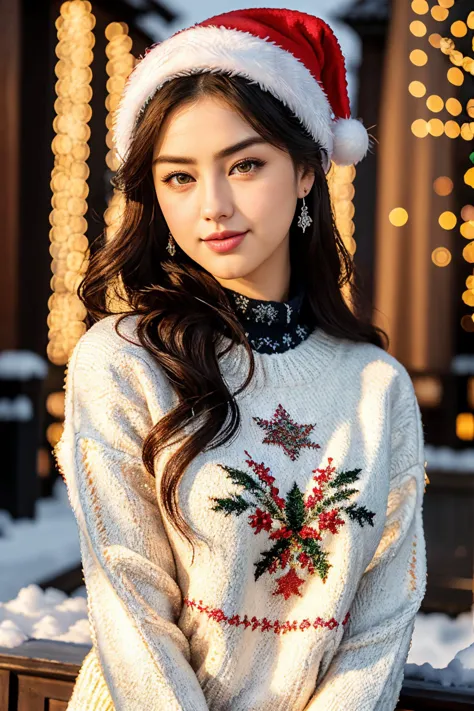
(310, 563)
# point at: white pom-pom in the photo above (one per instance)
(351, 141)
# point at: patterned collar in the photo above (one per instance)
(272, 326)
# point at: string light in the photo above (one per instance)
(341, 188)
(451, 129)
(341, 179)
(120, 64)
(69, 245)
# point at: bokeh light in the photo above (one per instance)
(420, 7)
(418, 57)
(419, 128)
(417, 89)
(436, 127)
(459, 29)
(467, 213)
(448, 220)
(435, 103)
(452, 129)
(441, 257)
(443, 186)
(455, 76)
(398, 217)
(453, 106)
(439, 13)
(418, 28)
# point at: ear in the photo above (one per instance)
(305, 181)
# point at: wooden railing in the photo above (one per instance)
(39, 675)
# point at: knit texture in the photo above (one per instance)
(310, 563)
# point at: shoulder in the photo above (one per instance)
(377, 369)
(372, 363)
(110, 355)
(111, 337)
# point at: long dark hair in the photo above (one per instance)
(182, 308)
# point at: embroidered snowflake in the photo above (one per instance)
(302, 331)
(287, 339)
(265, 313)
(264, 341)
(289, 311)
(242, 302)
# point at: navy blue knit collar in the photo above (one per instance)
(272, 326)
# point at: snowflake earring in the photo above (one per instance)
(171, 246)
(304, 219)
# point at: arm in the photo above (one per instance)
(366, 673)
(133, 598)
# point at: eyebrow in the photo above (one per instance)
(220, 154)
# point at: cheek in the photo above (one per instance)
(272, 210)
(172, 207)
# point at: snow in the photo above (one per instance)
(34, 550)
(22, 365)
(459, 461)
(18, 409)
(462, 364)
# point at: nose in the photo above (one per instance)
(216, 201)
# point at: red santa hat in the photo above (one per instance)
(291, 54)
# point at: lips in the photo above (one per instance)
(225, 244)
(225, 234)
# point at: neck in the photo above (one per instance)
(270, 282)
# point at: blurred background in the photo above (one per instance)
(406, 214)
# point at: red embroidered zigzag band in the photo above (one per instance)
(265, 625)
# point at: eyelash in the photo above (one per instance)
(257, 162)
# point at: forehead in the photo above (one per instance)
(204, 125)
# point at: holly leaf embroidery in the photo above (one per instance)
(234, 504)
(270, 557)
(294, 509)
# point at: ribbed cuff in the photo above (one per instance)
(90, 690)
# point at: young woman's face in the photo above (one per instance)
(252, 190)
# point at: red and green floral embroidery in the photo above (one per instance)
(296, 524)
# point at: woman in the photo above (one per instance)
(244, 459)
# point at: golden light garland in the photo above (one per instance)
(342, 191)
(452, 129)
(340, 180)
(120, 64)
(69, 245)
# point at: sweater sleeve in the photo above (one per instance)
(134, 600)
(366, 672)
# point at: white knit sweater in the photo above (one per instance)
(310, 564)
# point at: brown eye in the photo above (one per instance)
(247, 163)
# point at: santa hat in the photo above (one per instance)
(291, 54)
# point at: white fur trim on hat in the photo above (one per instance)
(351, 141)
(217, 49)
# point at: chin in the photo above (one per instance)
(230, 274)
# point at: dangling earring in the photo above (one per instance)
(304, 219)
(171, 246)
